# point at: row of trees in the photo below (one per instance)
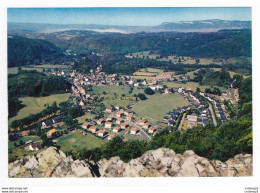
(33, 118)
(215, 91)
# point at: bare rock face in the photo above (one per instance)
(162, 162)
(49, 163)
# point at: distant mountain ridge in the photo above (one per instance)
(210, 25)
(203, 25)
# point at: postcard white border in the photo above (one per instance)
(128, 184)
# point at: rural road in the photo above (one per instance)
(213, 115)
(141, 131)
(135, 104)
(182, 120)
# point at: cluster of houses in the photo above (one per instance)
(147, 127)
(118, 120)
(113, 124)
(190, 120)
(80, 97)
(203, 119)
(52, 122)
(189, 93)
(220, 113)
(96, 78)
(175, 115)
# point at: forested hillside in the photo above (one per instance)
(23, 51)
(222, 44)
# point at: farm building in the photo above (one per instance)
(124, 125)
(134, 131)
(86, 125)
(25, 133)
(116, 129)
(101, 133)
(35, 146)
(110, 136)
(108, 125)
(49, 133)
(119, 121)
(93, 129)
(151, 130)
(100, 121)
(142, 122)
(119, 114)
(146, 125)
(109, 109)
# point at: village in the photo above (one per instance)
(116, 120)
(209, 108)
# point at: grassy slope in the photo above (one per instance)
(77, 140)
(39, 68)
(36, 104)
(156, 106)
(83, 118)
(24, 139)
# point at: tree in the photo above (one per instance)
(70, 122)
(75, 111)
(197, 61)
(149, 91)
(171, 90)
(141, 96)
(19, 69)
(198, 89)
(216, 91)
(21, 142)
(45, 141)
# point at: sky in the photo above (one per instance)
(124, 16)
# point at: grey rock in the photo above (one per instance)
(155, 163)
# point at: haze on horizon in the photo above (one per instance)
(124, 16)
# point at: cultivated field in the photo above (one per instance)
(238, 60)
(156, 106)
(153, 70)
(174, 59)
(148, 78)
(76, 139)
(114, 94)
(192, 85)
(144, 74)
(35, 105)
(39, 68)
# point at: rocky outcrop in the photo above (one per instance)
(162, 162)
